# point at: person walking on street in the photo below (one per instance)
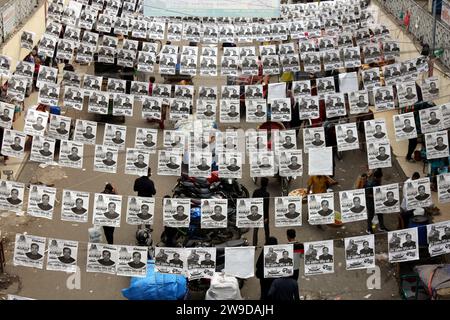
(265, 283)
(109, 231)
(373, 181)
(144, 186)
(284, 289)
(320, 184)
(298, 249)
(263, 193)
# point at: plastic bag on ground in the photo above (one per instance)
(223, 287)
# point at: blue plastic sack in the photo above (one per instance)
(156, 286)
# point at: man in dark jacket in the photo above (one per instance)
(144, 186)
(262, 193)
(284, 289)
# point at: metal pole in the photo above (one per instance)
(433, 47)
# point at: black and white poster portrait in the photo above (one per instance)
(256, 110)
(347, 136)
(174, 140)
(47, 75)
(62, 255)
(91, 39)
(290, 63)
(107, 210)
(249, 65)
(17, 86)
(73, 97)
(353, 205)
(321, 208)
(308, 107)
(11, 195)
(262, 164)
(325, 86)
(53, 29)
(291, 163)
(85, 53)
(47, 45)
(115, 136)
(438, 235)
(116, 85)
(75, 206)
(169, 49)
(139, 89)
(29, 251)
(391, 50)
(174, 31)
(108, 41)
(170, 260)
(335, 105)
(139, 29)
(146, 61)
(360, 252)
(319, 257)
(256, 140)
(405, 126)
(179, 109)
(409, 70)
(226, 141)
(226, 33)
(104, 23)
(230, 92)
(102, 258)
(64, 49)
(297, 29)
(278, 261)
(132, 261)
(288, 211)
(5, 66)
(85, 131)
(123, 105)
(375, 130)
(417, 193)
(431, 119)
(265, 50)
(255, 92)
(71, 154)
(311, 61)
(230, 165)
(122, 24)
(169, 163)
(105, 159)
(13, 143)
(6, 115)
(200, 164)
(352, 57)
(379, 154)
(162, 91)
(371, 78)
(176, 212)
(280, 109)
(200, 141)
(301, 88)
(391, 73)
(71, 13)
(430, 88)
(313, 138)
(24, 69)
(156, 30)
(229, 65)
(214, 213)
(250, 213)
(72, 79)
(41, 201)
(137, 162)
(87, 18)
(140, 210)
(92, 84)
(207, 93)
(284, 140)
(403, 245)
(307, 46)
(358, 101)
(443, 184)
(206, 110)
(372, 53)
(331, 60)
(35, 122)
(210, 33)
(55, 10)
(229, 111)
(106, 54)
(49, 94)
(125, 58)
(271, 65)
(201, 263)
(406, 93)
(436, 144)
(27, 40)
(146, 139)
(386, 198)
(208, 66)
(43, 149)
(286, 48)
(188, 65)
(167, 63)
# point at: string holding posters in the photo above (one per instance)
(288, 211)
(75, 206)
(107, 210)
(278, 261)
(62, 255)
(403, 245)
(176, 212)
(250, 213)
(319, 257)
(360, 252)
(29, 251)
